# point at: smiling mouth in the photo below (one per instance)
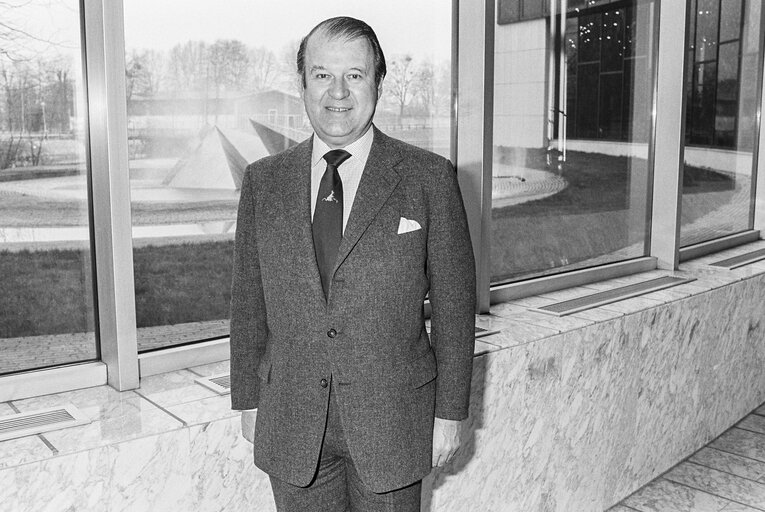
(338, 109)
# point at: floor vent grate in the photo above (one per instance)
(480, 332)
(39, 421)
(594, 300)
(740, 260)
(221, 383)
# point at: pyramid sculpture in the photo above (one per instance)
(276, 141)
(218, 161)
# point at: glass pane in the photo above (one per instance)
(586, 102)
(691, 36)
(46, 307)
(570, 190)
(701, 129)
(611, 95)
(706, 29)
(212, 86)
(613, 45)
(730, 20)
(727, 95)
(589, 38)
(720, 132)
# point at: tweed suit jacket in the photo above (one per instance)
(368, 337)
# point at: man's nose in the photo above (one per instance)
(339, 88)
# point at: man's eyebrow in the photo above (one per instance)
(353, 69)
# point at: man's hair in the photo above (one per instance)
(350, 29)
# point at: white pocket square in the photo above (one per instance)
(405, 226)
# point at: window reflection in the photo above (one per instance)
(46, 304)
(570, 185)
(723, 55)
(204, 103)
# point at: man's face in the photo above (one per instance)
(340, 94)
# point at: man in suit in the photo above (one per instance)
(348, 400)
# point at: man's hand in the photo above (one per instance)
(248, 424)
(446, 441)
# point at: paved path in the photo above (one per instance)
(516, 185)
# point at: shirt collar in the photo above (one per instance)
(358, 147)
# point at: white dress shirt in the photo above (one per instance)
(350, 170)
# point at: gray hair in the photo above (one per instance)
(350, 29)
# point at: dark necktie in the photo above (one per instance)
(328, 216)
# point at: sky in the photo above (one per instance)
(419, 27)
(31, 27)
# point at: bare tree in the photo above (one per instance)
(17, 84)
(227, 66)
(19, 39)
(399, 82)
(35, 80)
(442, 88)
(264, 68)
(60, 96)
(187, 66)
(15, 78)
(144, 72)
(432, 87)
(424, 87)
(288, 67)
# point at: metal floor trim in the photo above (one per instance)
(567, 307)
(220, 383)
(480, 332)
(740, 260)
(40, 420)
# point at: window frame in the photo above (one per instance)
(473, 26)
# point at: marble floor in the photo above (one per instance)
(727, 475)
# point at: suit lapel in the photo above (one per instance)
(378, 181)
(296, 168)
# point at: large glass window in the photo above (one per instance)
(572, 125)
(46, 304)
(211, 86)
(722, 94)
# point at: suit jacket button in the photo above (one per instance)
(324, 383)
(331, 333)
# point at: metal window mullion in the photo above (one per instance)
(758, 194)
(717, 75)
(110, 189)
(475, 116)
(668, 135)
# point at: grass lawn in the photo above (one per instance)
(45, 293)
(590, 218)
(50, 292)
(183, 283)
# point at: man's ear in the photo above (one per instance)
(299, 83)
(379, 91)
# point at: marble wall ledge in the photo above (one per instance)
(581, 419)
(606, 397)
(173, 400)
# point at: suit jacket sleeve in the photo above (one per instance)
(451, 270)
(249, 330)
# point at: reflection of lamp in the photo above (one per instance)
(45, 126)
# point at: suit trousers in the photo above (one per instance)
(337, 487)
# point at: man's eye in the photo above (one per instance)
(354, 76)
(321, 76)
